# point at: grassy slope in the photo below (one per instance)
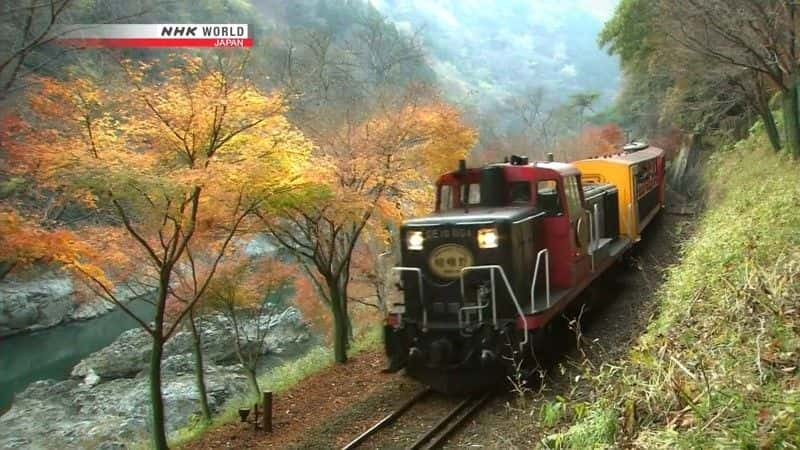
(718, 366)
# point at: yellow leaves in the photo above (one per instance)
(401, 152)
(181, 128)
(139, 149)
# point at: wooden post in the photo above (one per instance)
(266, 414)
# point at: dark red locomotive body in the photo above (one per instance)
(507, 247)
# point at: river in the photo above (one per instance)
(52, 353)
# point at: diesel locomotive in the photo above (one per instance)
(507, 248)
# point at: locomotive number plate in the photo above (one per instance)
(446, 261)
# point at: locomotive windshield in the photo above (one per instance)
(445, 197)
(469, 195)
(520, 192)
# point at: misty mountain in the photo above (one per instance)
(485, 52)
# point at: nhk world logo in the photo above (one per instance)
(192, 35)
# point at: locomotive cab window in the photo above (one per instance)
(547, 197)
(520, 192)
(445, 197)
(470, 194)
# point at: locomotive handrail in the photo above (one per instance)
(491, 269)
(546, 254)
(421, 298)
(479, 307)
(592, 233)
(596, 221)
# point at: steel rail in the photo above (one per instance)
(433, 438)
(391, 417)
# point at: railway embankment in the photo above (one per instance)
(718, 364)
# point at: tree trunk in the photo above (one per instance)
(156, 402)
(199, 371)
(348, 321)
(771, 128)
(791, 120)
(340, 328)
(252, 379)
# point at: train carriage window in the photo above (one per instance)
(520, 191)
(573, 195)
(547, 197)
(445, 197)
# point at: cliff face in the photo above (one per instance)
(43, 302)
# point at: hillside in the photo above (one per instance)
(487, 55)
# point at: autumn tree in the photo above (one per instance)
(179, 158)
(756, 35)
(380, 137)
(371, 170)
(246, 293)
(32, 235)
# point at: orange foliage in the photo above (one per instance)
(369, 171)
(10, 127)
(182, 158)
(23, 242)
(592, 141)
(239, 283)
(387, 162)
(313, 310)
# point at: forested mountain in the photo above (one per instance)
(493, 53)
(529, 75)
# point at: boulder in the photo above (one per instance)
(32, 305)
(124, 358)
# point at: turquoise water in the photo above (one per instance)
(51, 353)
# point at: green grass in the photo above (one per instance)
(718, 365)
(277, 380)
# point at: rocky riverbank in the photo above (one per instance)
(106, 403)
(48, 297)
(46, 301)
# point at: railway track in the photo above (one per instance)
(434, 436)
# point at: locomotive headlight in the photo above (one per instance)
(414, 240)
(487, 238)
